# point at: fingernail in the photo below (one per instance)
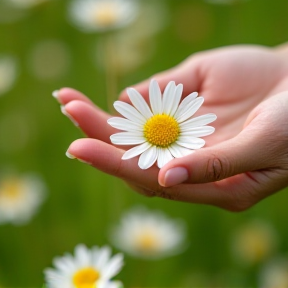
(83, 161)
(55, 94)
(63, 110)
(69, 155)
(175, 176)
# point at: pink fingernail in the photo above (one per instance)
(175, 176)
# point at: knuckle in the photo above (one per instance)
(215, 168)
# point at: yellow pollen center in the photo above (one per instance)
(11, 188)
(86, 278)
(147, 242)
(106, 14)
(161, 130)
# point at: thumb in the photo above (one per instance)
(248, 151)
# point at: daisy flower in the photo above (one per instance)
(163, 131)
(8, 73)
(149, 234)
(102, 15)
(89, 268)
(20, 198)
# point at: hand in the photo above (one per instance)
(244, 161)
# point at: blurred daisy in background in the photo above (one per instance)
(254, 242)
(89, 268)
(274, 274)
(8, 73)
(102, 15)
(164, 132)
(149, 234)
(136, 44)
(20, 197)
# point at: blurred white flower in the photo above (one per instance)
(49, 59)
(149, 234)
(20, 197)
(24, 4)
(274, 274)
(136, 44)
(254, 242)
(89, 268)
(102, 15)
(8, 73)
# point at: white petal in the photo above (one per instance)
(65, 264)
(198, 121)
(190, 109)
(129, 112)
(82, 256)
(190, 142)
(168, 97)
(177, 98)
(183, 105)
(155, 97)
(164, 156)
(135, 151)
(179, 151)
(198, 131)
(148, 158)
(103, 257)
(139, 103)
(113, 266)
(127, 138)
(124, 124)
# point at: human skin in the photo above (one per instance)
(244, 161)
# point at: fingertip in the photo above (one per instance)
(67, 94)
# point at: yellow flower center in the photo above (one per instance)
(147, 242)
(106, 14)
(86, 278)
(11, 188)
(161, 130)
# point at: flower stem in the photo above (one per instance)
(110, 69)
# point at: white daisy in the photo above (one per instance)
(20, 197)
(102, 15)
(164, 131)
(8, 73)
(149, 234)
(89, 268)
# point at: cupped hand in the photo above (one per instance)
(244, 161)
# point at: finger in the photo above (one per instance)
(235, 194)
(186, 73)
(107, 158)
(91, 119)
(66, 95)
(248, 151)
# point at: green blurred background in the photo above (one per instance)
(83, 203)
